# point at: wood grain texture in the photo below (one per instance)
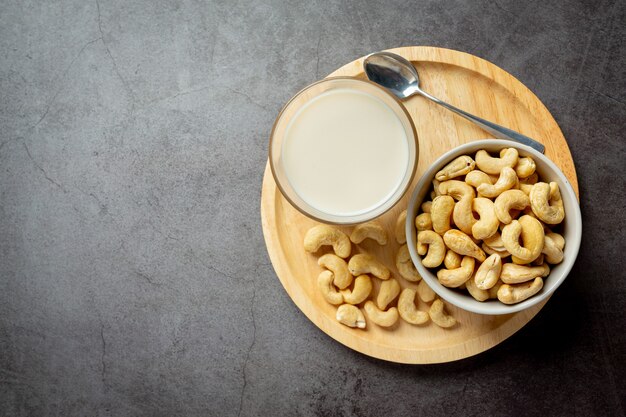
(472, 84)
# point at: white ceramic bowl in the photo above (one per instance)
(571, 228)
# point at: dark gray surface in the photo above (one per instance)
(134, 278)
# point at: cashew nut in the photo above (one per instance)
(456, 189)
(338, 267)
(515, 274)
(362, 263)
(525, 167)
(545, 200)
(532, 179)
(478, 293)
(423, 222)
(400, 222)
(460, 166)
(405, 265)
(328, 290)
(511, 294)
(488, 272)
(525, 188)
(506, 181)
(440, 213)
(425, 293)
(462, 215)
(540, 260)
(369, 230)
(490, 251)
(463, 244)
(476, 177)
(382, 318)
(558, 239)
(422, 248)
(426, 206)
(322, 234)
(493, 291)
(454, 278)
(408, 310)
(436, 248)
(490, 165)
(532, 235)
(462, 212)
(494, 242)
(488, 222)
(362, 289)
(438, 316)
(436, 188)
(452, 259)
(554, 255)
(388, 292)
(508, 200)
(350, 316)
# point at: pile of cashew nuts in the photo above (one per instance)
(349, 284)
(491, 223)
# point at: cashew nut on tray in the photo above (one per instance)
(360, 292)
(339, 268)
(399, 230)
(382, 318)
(405, 265)
(369, 230)
(388, 292)
(366, 264)
(408, 310)
(321, 235)
(438, 316)
(425, 293)
(328, 290)
(350, 316)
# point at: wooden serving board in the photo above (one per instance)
(472, 84)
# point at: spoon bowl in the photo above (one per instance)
(393, 72)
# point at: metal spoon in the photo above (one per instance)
(400, 77)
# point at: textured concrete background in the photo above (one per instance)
(134, 278)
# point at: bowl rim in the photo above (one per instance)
(361, 219)
(574, 219)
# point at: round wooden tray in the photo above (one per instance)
(472, 84)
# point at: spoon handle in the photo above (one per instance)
(498, 131)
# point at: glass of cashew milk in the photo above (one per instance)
(343, 151)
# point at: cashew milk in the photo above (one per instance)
(345, 152)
